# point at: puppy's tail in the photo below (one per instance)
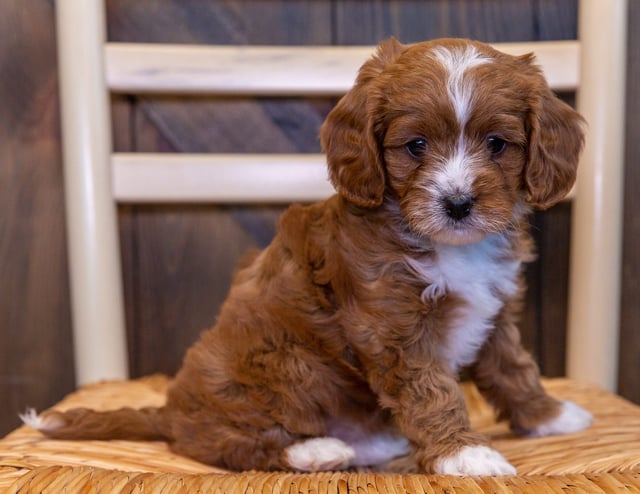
(144, 424)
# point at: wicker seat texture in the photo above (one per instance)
(604, 458)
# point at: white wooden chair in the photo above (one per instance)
(96, 179)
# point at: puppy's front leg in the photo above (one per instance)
(429, 408)
(508, 377)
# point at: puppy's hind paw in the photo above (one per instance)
(319, 453)
(572, 418)
(475, 461)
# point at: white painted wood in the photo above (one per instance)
(238, 70)
(597, 217)
(559, 60)
(221, 178)
(280, 70)
(94, 260)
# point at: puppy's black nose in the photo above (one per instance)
(458, 208)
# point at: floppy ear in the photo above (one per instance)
(555, 141)
(347, 137)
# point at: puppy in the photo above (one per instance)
(340, 344)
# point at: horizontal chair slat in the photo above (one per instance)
(220, 178)
(281, 70)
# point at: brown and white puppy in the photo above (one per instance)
(340, 344)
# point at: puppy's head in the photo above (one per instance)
(461, 136)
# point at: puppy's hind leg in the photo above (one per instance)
(238, 447)
(274, 448)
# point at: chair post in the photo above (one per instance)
(597, 209)
(92, 235)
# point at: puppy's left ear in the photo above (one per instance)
(347, 135)
(556, 138)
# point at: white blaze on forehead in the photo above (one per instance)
(457, 61)
(455, 175)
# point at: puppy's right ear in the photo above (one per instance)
(353, 154)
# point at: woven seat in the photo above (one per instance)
(604, 458)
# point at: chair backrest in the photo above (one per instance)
(96, 178)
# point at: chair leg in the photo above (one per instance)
(94, 258)
(597, 209)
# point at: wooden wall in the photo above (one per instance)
(177, 260)
(629, 369)
(35, 328)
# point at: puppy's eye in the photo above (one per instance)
(417, 148)
(496, 146)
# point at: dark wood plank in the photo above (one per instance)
(36, 363)
(629, 384)
(227, 22)
(122, 113)
(554, 248)
(544, 315)
(360, 22)
(205, 124)
(555, 20)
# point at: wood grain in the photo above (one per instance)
(36, 363)
(282, 71)
(361, 22)
(262, 22)
(629, 367)
(553, 247)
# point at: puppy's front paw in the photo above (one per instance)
(475, 461)
(572, 418)
(319, 453)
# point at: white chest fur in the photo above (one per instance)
(483, 277)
